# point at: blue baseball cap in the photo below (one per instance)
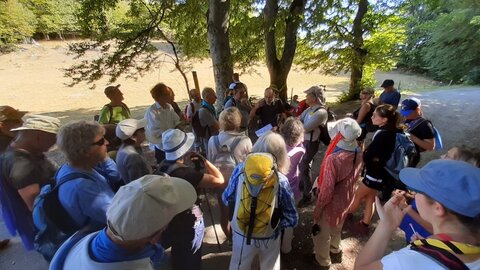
(409, 105)
(454, 184)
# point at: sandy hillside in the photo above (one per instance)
(32, 79)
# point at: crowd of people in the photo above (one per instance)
(120, 212)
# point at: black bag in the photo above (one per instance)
(198, 129)
(324, 137)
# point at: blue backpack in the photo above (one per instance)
(53, 222)
(402, 155)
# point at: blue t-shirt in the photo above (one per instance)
(87, 200)
(392, 98)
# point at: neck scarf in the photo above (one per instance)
(209, 107)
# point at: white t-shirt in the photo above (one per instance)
(159, 119)
(406, 258)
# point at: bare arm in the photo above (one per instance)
(363, 112)
(391, 216)
(213, 178)
(426, 144)
(28, 194)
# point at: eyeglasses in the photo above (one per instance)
(100, 142)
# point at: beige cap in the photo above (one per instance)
(9, 113)
(350, 131)
(126, 128)
(40, 122)
(144, 206)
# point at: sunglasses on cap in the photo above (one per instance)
(99, 142)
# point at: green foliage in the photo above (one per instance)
(444, 40)
(17, 22)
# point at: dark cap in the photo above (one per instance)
(387, 83)
(110, 89)
(9, 113)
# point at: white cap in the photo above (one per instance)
(350, 131)
(127, 127)
(144, 206)
(40, 122)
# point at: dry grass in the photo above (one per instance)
(32, 79)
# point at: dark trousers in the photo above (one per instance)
(305, 166)
(179, 235)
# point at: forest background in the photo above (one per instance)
(437, 38)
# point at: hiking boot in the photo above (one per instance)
(311, 259)
(336, 257)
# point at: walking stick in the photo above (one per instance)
(213, 221)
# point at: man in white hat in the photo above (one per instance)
(131, 162)
(340, 169)
(137, 217)
(24, 171)
(184, 240)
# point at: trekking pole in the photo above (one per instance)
(213, 221)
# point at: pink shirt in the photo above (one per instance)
(295, 154)
(337, 190)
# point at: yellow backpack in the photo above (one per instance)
(256, 214)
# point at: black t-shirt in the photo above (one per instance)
(268, 113)
(22, 169)
(180, 227)
(422, 129)
(379, 152)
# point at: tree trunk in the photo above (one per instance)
(279, 68)
(218, 25)
(359, 52)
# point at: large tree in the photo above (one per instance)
(352, 36)
(279, 59)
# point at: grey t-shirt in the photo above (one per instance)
(131, 163)
(22, 169)
(312, 119)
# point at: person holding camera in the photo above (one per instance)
(185, 232)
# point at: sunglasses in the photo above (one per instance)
(100, 142)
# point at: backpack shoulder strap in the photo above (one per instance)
(216, 142)
(125, 107)
(70, 177)
(417, 123)
(234, 144)
(110, 110)
(169, 168)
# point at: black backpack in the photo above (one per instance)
(198, 129)
(53, 222)
(324, 137)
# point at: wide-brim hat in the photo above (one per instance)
(145, 206)
(126, 128)
(454, 184)
(176, 143)
(40, 122)
(9, 113)
(350, 131)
